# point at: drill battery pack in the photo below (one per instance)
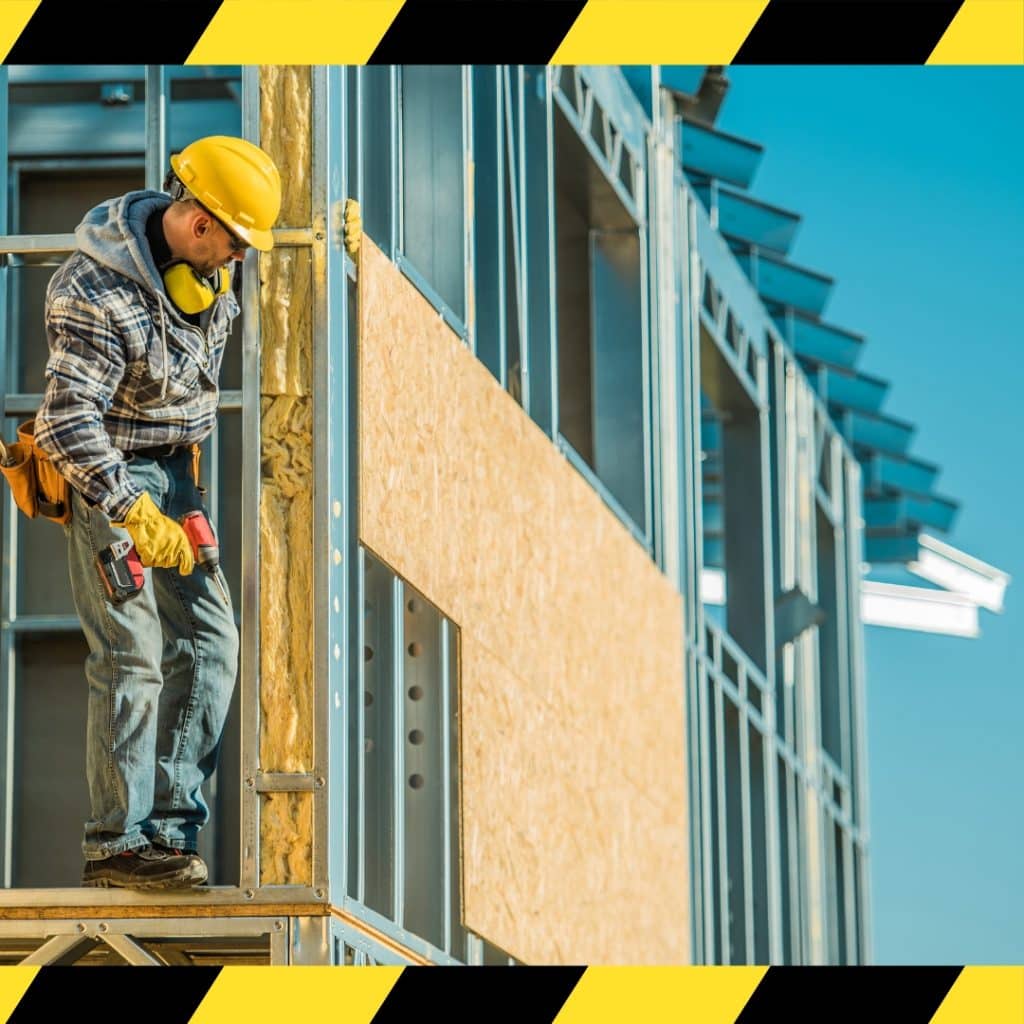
(121, 570)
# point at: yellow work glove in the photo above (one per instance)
(158, 539)
(353, 227)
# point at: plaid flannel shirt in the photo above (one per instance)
(108, 337)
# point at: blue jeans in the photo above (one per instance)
(161, 670)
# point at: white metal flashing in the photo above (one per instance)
(961, 573)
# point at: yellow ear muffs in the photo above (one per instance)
(190, 291)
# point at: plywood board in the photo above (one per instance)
(573, 766)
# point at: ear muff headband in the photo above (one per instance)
(189, 290)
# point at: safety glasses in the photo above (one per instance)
(237, 244)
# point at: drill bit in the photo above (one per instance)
(221, 586)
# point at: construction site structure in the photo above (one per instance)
(547, 518)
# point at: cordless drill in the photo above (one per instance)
(204, 546)
(121, 570)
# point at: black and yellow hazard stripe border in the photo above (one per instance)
(520, 31)
(527, 995)
(514, 31)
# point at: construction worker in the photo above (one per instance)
(137, 319)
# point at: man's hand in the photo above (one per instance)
(159, 540)
(353, 227)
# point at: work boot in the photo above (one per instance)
(198, 864)
(147, 868)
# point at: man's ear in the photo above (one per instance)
(202, 225)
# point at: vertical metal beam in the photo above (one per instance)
(250, 597)
(508, 134)
(468, 220)
(8, 541)
(692, 527)
(744, 726)
(355, 784)
(396, 241)
(667, 313)
(501, 186)
(653, 436)
(426, 839)
(448, 862)
(695, 488)
(724, 929)
(794, 854)
(156, 125)
(859, 776)
(330, 640)
(849, 896)
(813, 838)
(539, 292)
(774, 832)
(335, 521)
(397, 740)
(309, 939)
(710, 929)
(279, 947)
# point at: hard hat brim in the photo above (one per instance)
(262, 240)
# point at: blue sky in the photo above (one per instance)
(910, 181)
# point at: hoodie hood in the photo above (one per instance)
(114, 234)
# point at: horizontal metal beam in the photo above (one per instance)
(37, 244)
(26, 403)
(227, 899)
(887, 604)
(286, 782)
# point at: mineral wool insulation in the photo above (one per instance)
(286, 492)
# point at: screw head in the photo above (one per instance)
(249, 894)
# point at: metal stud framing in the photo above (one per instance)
(778, 822)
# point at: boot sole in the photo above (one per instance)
(177, 882)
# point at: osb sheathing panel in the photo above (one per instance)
(573, 781)
(286, 490)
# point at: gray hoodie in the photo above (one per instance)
(126, 369)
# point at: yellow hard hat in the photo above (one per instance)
(236, 181)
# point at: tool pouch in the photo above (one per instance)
(39, 490)
(21, 477)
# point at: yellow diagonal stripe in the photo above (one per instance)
(660, 995)
(659, 32)
(993, 995)
(983, 32)
(14, 980)
(294, 32)
(270, 995)
(14, 16)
